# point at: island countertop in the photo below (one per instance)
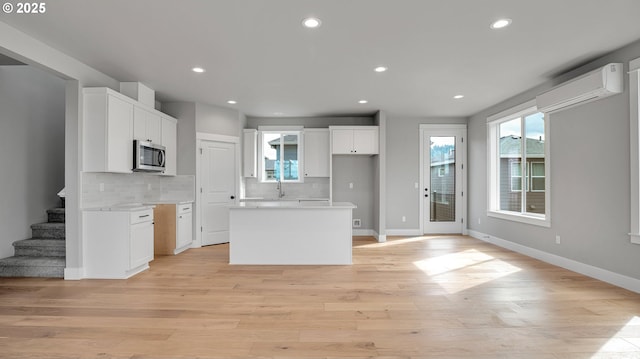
(293, 204)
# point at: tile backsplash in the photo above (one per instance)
(119, 188)
(313, 187)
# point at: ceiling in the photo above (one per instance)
(259, 54)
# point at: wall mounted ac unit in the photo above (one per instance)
(599, 83)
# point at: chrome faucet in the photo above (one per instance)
(280, 190)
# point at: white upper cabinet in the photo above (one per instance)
(316, 153)
(169, 141)
(146, 125)
(108, 131)
(112, 121)
(354, 140)
(249, 153)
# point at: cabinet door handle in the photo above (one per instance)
(146, 215)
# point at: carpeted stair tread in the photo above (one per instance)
(56, 215)
(27, 266)
(48, 230)
(40, 247)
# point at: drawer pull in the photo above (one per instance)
(146, 215)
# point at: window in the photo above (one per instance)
(280, 156)
(518, 189)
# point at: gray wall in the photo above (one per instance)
(358, 170)
(185, 112)
(403, 169)
(589, 177)
(196, 117)
(32, 128)
(218, 120)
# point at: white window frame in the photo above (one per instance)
(493, 174)
(282, 130)
(634, 126)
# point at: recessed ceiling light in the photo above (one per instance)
(457, 97)
(311, 22)
(232, 102)
(380, 69)
(499, 24)
(198, 70)
(363, 101)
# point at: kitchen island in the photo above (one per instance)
(290, 233)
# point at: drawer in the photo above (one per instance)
(142, 216)
(184, 208)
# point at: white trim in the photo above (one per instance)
(404, 232)
(74, 273)
(521, 217)
(461, 160)
(364, 232)
(604, 275)
(513, 112)
(634, 160)
(216, 137)
(270, 128)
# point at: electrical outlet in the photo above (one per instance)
(557, 239)
(404, 219)
(478, 220)
(351, 185)
(357, 223)
(415, 185)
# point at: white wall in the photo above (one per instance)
(590, 186)
(403, 169)
(32, 115)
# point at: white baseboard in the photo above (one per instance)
(604, 275)
(364, 232)
(404, 232)
(73, 273)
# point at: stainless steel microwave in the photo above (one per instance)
(148, 156)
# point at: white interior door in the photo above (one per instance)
(443, 181)
(218, 190)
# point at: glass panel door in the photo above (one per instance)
(442, 173)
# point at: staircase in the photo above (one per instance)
(40, 256)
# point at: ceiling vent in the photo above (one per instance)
(600, 83)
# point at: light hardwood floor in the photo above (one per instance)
(422, 297)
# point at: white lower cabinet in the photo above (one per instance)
(174, 228)
(118, 243)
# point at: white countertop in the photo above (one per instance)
(128, 207)
(293, 204)
(132, 207)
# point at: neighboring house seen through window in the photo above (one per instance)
(517, 165)
(280, 156)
